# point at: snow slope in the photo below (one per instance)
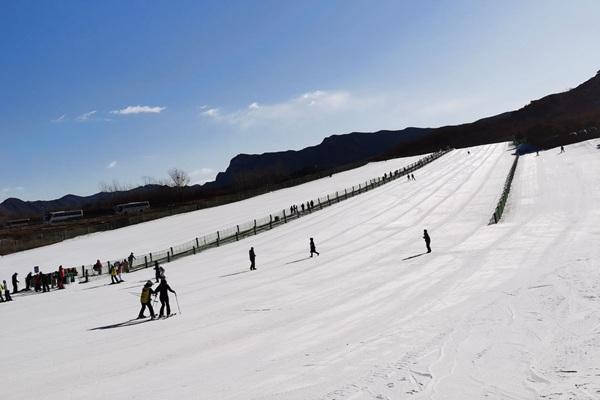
(160, 234)
(500, 312)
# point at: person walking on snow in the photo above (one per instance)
(313, 249)
(157, 273)
(130, 259)
(145, 299)
(15, 283)
(252, 259)
(28, 279)
(427, 240)
(163, 290)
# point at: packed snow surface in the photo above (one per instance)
(507, 311)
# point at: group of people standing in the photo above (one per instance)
(303, 207)
(40, 282)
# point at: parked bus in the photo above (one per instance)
(17, 222)
(58, 216)
(131, 208)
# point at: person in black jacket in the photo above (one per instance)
(252, 259)
(163, 290)
(15, 283)
(427, 240)
(313, 249)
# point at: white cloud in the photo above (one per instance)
(130, 110)
(212, 113)
(59, 119)
(112, 164)
(308, 105)
(87, 116)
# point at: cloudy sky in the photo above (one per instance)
(94, 92)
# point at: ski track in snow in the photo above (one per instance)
(507, 311)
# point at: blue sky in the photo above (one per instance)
(107, 91)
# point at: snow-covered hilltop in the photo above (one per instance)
(500, 311)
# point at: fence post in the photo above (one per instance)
(168, 257)
(146, 261)
(83, 270)
(237, 233)
(336, 197)
(328, 201)
(270, 221)
(151, 257)
(218, 238)
(255, 227)
(197, 243)
(284, 217)
(345, 194)
(320, 206)
(194, 249)
(172, 251)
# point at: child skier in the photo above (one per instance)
(145, 299)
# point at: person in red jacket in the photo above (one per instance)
(61, 277)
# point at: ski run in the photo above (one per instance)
(506, 311)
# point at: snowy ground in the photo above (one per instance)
(498, 312)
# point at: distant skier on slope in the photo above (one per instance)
(313, 249)
(427, 240)
(28, 279)
(163, 290)
(252, 256)
(145, 299)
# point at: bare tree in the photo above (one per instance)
(179, 178)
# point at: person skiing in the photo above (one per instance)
(313, 249)
(427, 240)
(15, 283)
(252, 259)
(562, 149)
(163, 290)
(6, 291)
(131, 258)
(1, 293)
(28, 280)
(113, 274)
(412, 176)
(145, 299)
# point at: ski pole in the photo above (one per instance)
(177, 301)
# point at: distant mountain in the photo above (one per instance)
(550, 121)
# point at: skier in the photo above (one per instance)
(6, 291)
(313, 249)
(252, 259)
(312, 204)
(15, 283)
(1, 293)
(28, 279)
(413, 177)
(302, 207)
(131, 258)
(120, 270)
(163, 290)
(427, 240)
(146, 300)
(113, 274)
